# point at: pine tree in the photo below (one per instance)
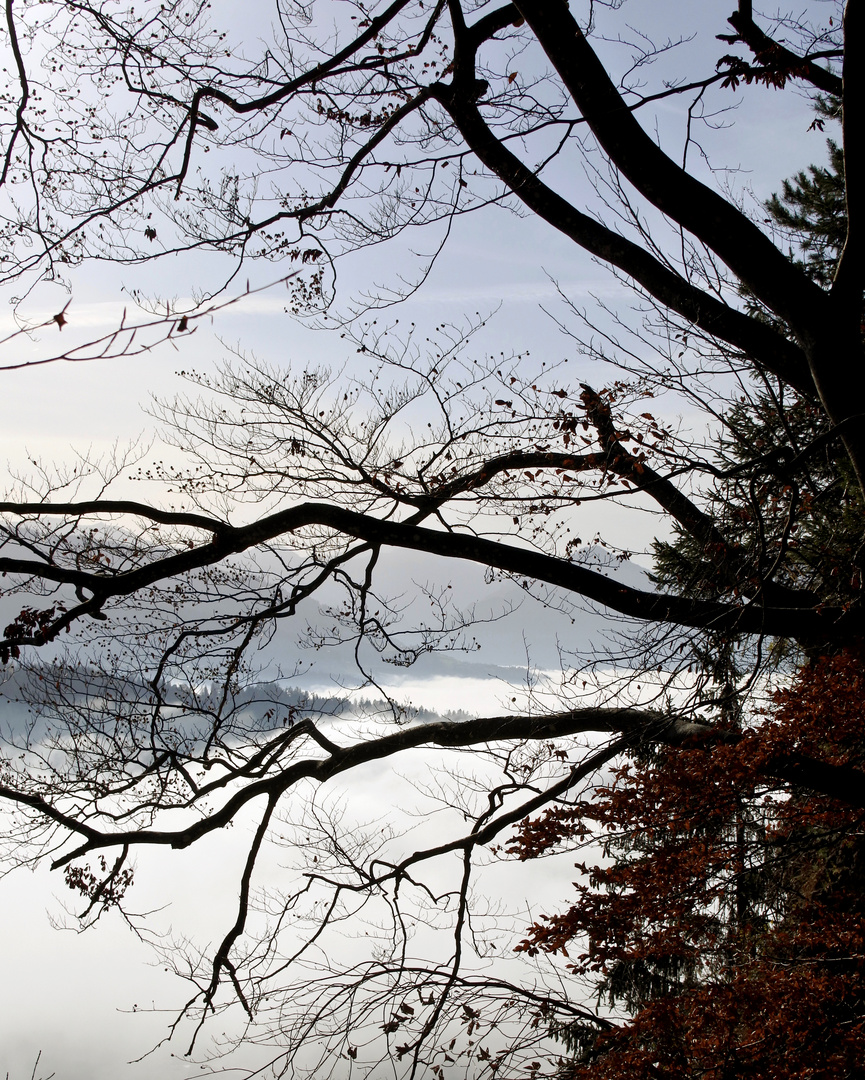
(728, 926)
(811, 209)
(784, 494)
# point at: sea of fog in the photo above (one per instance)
(95, 1005)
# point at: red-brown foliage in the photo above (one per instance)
(729, 926)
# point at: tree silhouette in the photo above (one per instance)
(302, 484)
